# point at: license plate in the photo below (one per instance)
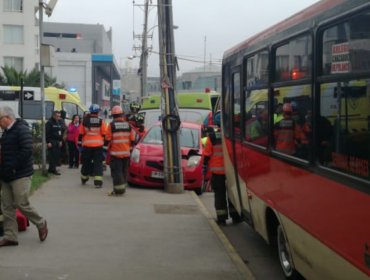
(157, 174)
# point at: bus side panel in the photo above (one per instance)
(330, 212)
(312, 258)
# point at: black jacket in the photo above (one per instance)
(54, 130)
(16, 152)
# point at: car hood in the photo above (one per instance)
(157, 150)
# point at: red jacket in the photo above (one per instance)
(73, 132)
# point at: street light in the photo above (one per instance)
(49, 10)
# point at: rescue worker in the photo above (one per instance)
(54, 131)
(288, 135)
(278, 115)
(92, 133)
(120, 137)
(138, 127)
(134, 110)
(214, 160)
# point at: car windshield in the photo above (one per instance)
(189, 137)
(152, 116)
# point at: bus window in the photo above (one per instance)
(344, 132)
(346, 46)
(226, 113)
(293, 60)
(256, 99)
(237, 104)
(293, 132)
(256, 117)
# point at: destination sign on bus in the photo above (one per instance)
(340, 58)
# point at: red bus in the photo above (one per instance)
(304, 83)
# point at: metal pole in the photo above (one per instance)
(170, 117)
(42, 86)
(144, 52)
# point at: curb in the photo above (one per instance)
(233, 254)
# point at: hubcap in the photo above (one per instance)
(284, 254)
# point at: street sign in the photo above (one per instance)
(28, 95)
(116, 87)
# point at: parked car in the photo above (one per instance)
(146, 163)
(152, 116)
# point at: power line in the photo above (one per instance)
(181, 57)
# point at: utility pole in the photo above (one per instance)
(173, 179)
(205, 54)
(144, 52)
(42, 90)
(48, 10)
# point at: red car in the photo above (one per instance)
(146, 163)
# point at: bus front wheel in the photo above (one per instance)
(285, 256)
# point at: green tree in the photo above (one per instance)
(12, 77)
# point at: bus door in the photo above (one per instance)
(234, 157)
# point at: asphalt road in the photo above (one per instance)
(257, 255)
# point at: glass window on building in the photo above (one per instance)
(13, 34)
(294, 59)
(13, 6)
(14, 62)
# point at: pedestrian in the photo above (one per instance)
(214, 160)
(73, 132)
(63, 150)
(120, 137)
(16, 169)
(54, 136)
(92, 134)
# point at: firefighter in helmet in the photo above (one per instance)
(287, 133)
(134, 109)
(138, 126)
(92, 134)
(214, 160)
(120, 138)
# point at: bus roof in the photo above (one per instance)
(307, 14)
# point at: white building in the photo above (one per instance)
(19, 34)
(84, 60)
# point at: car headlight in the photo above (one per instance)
(135, 155)
(193, 161)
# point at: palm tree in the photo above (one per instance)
(12, 77)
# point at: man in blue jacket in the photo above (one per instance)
(16, 169)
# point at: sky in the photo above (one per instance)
(205, 28)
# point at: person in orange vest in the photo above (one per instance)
(288, 134)
(92, 134)
(120, 137)
(214, 160)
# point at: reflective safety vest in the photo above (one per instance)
(213, 150)
(93, 131)
(121, 136)
(287, 136)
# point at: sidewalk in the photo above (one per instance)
(147, 234)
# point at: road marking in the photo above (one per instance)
(233, 254)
